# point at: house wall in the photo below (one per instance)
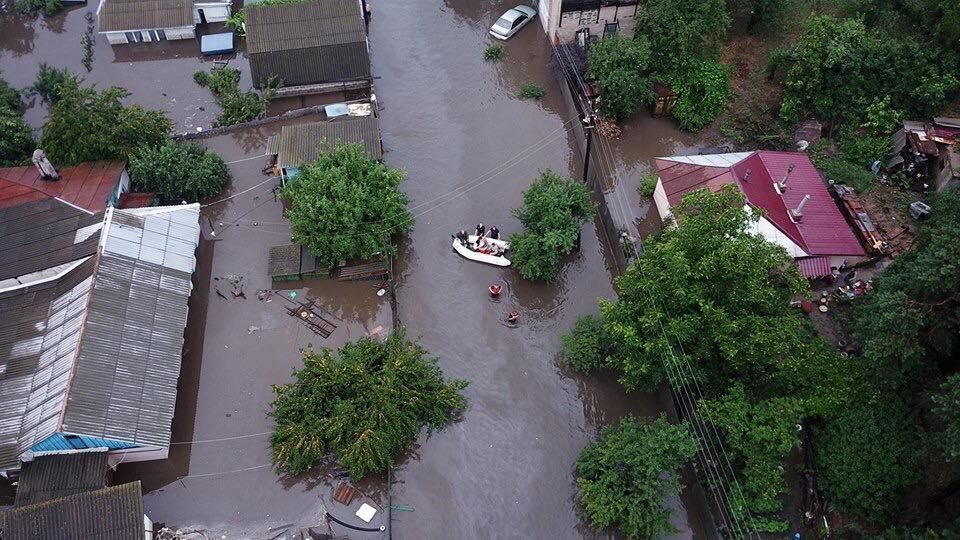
(142, 453)
(147, 528)
(563, 26)
(660, 199)
(180, 32)
(123, 186)
(212, 11)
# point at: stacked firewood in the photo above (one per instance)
(608, 129)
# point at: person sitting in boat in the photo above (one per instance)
(462, 237)
(483, 245)
(480, 230)
(494, 233)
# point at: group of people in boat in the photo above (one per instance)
(483, 243)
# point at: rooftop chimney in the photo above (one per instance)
(47, 171)
(746, 175)
(797, 213)
(782, 184)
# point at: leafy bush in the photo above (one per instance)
(16, 140)
(947, 403)
(9, 96)
(236, 107)
(365, 404)
(493, 52)
(49, 80)
(553, 212)
(881, 118)
(625, 478)
(679, 30)
(867, 456)
(648, 184)
(532, 91)
(86, 125)
(588, 346)
(32, 7)
(862, 149)
(178, 171)
(620, 68)
(702, 87)
(346, 205)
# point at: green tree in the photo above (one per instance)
(16, 141)
(588, 346)
(365, 404)
(9, 96)
(947, 403)
(49, 80)
(347, 204)
(626, 476)
(621, 69)
(868, 457)
(761, 434)
(678, 299)
(678, 30)
(702, 87)
(178, 171)
(87, 125)
(553, 213)
(33, 7)
(236, 107)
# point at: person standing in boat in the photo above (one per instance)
(480, 230)
(494, 233)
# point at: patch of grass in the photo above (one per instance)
(532, 91)
(494, 53)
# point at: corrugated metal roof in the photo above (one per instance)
(46, 478)
(120, 15)
(125, 382)
(89, 185)
(42, 234)
(113, 513)
(301, 144)
(307, 43)
(39, 332)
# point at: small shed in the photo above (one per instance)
(301, 144)
(284, 263)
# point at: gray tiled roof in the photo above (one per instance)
(125, 383)
(301, 144)
(49, 477)
(39, 333)
(307, 43)
(113, 513)
(42, 234)
(120, 15)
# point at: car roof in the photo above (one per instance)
(511, 14)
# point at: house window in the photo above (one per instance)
(75, 442)
(133, 37)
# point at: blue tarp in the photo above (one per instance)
(216, 43)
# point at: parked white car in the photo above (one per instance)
(512, 21)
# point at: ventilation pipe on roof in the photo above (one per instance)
(47, 171)
(746, 175)
(782, 184)
(797, 213)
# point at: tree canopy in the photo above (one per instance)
(621, 68)
(627, 475)
(347, 205)
(365, 404)
(178, 171)
(679, 30)
(553, 212)
(87, 125)
(16, 140)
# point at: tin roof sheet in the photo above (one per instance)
(45, 478)
(120, 15)
(301, 144)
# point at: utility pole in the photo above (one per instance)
(588, 124)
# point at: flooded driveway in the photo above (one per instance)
(470, 147)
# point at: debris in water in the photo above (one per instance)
(345, 493)
(263, 295)
(279, 527)
(381, 292)
(366, 512)
(252, 329)
(376, 330)
(293, 295)
(220, 294)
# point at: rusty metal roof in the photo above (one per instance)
(301, 144)
(88, 185)
(121, 15)
(307, 43)
(107, 514)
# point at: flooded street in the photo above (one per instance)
(470, 147)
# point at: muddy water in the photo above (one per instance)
(453, 122)
(158, 75)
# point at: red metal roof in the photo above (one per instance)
(88, 185)
(815, 267)
(822, 230)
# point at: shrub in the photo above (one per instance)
(32, 7)
(178, 171)
(86, 125)
(553, 212)
(16, 141)
(236, 107)
(588, 346)
(494, 52)
(9, 96)
(366, 404)
(49, 80)
(678, 30)
(625, 478)
(648, 184)
(532, 91)
(346, 205)
(702, 87)
(620, 68)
